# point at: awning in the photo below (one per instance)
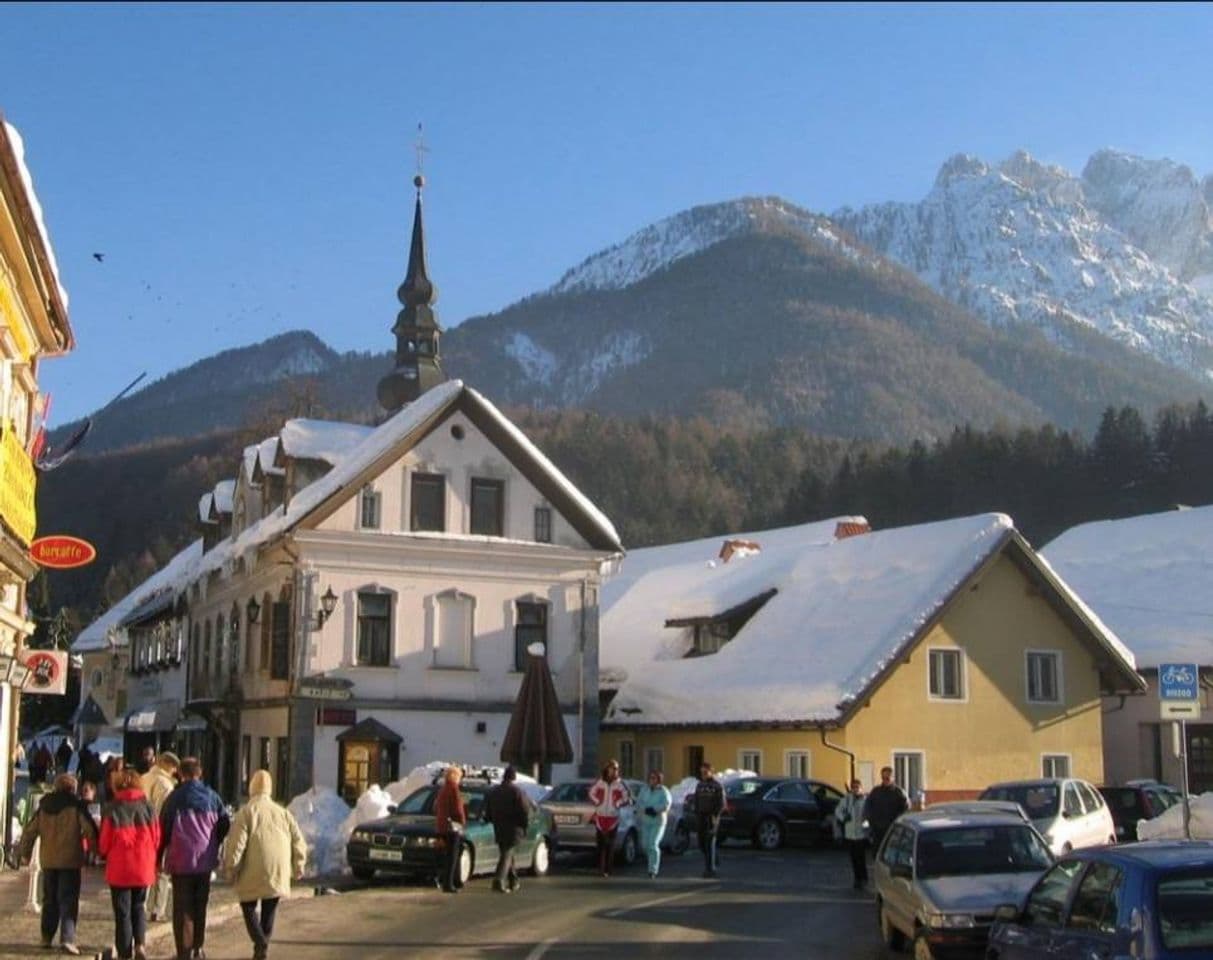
(190, 724)
(153, 717)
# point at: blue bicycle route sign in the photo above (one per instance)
(1178, 681)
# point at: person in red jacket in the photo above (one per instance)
(130, 839)
(609, 796)
(451, 820)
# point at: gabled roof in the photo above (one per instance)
(326, 440)
(1150, 578)
(223, 493)
(171, 579)
(844, 613)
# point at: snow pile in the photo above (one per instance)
(417, 778)
(372, 805)
(1170, 824)
(320, 814)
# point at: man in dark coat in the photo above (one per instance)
(885, 803)
(506, 809)
(707, 802)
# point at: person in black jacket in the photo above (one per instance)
(886, 802)
(505, 808)
(708, 804)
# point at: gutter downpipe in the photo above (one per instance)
(834, 746)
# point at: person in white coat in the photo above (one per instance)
(653, 801)
(849, 814)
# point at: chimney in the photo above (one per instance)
(851, 528)
(737, 548)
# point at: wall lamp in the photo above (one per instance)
(328, 603)
(253, 609)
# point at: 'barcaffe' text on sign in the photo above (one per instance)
(62, 552)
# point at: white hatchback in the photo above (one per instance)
(1069, 813)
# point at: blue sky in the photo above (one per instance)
(245, 168)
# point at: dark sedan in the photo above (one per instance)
(772, 811)
(406, 842)
(1133, 803)
(1149, 900)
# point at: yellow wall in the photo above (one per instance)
(992, 734)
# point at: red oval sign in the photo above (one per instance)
(62, 552)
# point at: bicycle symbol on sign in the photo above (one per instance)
(1178, 676)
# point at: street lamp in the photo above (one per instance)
(328, 603)
(253, 608)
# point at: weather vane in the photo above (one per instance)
(421, 150)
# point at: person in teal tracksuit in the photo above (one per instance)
(653, 804)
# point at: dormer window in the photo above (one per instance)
(368, 511)
(710, 633)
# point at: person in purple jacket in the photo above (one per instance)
(193, 823)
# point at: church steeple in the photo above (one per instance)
(417, 330)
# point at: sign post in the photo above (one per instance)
(1179, 701)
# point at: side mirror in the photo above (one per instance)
(1006, 913)
(391, 808)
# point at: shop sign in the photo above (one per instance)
(62, 552)
(17, 484)
(48, 671)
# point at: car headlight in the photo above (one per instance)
(422, 841)
(361, 836)
(938, 921)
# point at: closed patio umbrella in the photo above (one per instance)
(536, 734)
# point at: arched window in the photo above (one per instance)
(233, 628)
(220, 639)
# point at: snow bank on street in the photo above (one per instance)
(320, 814)
(1170, 824)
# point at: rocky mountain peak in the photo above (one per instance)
(960, 166)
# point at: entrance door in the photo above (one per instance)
(1200, 757)
(356, 768)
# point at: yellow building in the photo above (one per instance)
(33, 325)
(948, 651)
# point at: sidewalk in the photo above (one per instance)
(21, 932)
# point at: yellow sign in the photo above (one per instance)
(17, 483)
(10, 316)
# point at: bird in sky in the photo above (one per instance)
(98, 257)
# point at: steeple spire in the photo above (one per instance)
(417, 330)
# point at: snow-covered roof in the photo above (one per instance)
(320, 439)
(380, 442)
(250, 463)
(1150, 578)
(267, 452)
(841, 611)
(224, 492)
(173, 576)
(205, 504)
(27, 181)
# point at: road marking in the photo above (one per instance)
(541, 949)
(650, 903)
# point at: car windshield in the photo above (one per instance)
(1185, 911)
(421, 803)
(1039, 800)
(569, 793)
(969, 851)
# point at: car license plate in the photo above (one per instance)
(385, 854)
(568, 819)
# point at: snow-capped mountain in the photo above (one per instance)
(1125, 250)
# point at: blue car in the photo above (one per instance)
(1151, 900)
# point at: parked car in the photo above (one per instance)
(571, 810)
(1132, 803)
(940, 875)
(772, 811)
(1069, 813)
(406, 842)
(979, 806)
(1152, 901)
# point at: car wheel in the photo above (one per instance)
(890, 936)
(768, 835)
(541, 862)
(629, 850)
(365, 874)
(465, 864)
(681, 842)
(922, 948)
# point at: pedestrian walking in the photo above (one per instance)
(63, 756)
(158, 783)
(451, 819)
(193, 823)
(146, 760)
(506, 809)
(109, 781)
(653, 801)
(65, 829)
(264, 852)
(609, 795)
(708, 803)
(886, 802)
(130, 839)
(849, 814)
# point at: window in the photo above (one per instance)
(266, 611)
(1185, 910)
(710, 637)
(1090, 798)
(233, 639)
(280, 640)
(908, 773)
(453, 633)
(264, 756)
(694, 761)
(654, 759)
(368, 508)
(1055, 765)
(488, 507)
(748, 759)
(282, 774)
(790, 792)
(374, 629)
(1044, 677)
(627, 758)
(206, 650)
(1097, 902)
(898, 850)
(543, 524)
(427, 502)
(220, 639)
(530, 627)
(945, 675)
(1045, 905)
(1071, 802)
(797, 762)
(246, 761)
(196, 652)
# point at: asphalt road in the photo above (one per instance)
(796, 903)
